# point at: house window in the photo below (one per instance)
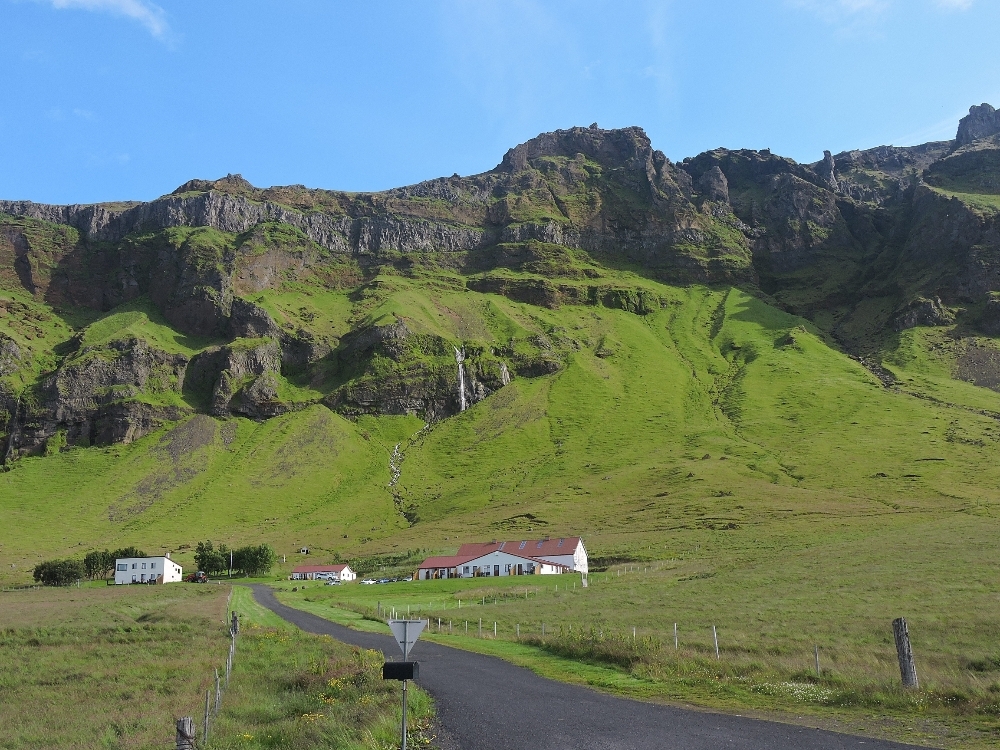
(466, 570)
(122, 566)
(522, 545)
(152, 565)
(135, 565)
(144, 566)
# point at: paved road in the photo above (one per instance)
(485, 703)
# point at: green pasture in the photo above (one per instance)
(106, 667)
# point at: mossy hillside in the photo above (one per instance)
(141, 319)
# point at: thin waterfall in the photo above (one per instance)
(504, 374)
(460, 359)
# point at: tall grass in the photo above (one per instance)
(292, 690)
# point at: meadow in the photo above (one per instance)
(106, 667)
(114, 667)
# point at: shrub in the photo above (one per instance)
(59, 572)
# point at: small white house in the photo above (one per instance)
(147, 570)
(342, 573)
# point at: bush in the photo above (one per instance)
(59, 572)
(254, 561)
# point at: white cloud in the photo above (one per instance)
(149, 14)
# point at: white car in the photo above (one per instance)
(368, 581)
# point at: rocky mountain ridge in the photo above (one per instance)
(863, 243)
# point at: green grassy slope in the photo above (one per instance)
(715, 413)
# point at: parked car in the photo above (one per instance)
(333, 582)
(384, 580)
(368, 581)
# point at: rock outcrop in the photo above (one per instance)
(981, 122)
(113, 393)
(923, 312)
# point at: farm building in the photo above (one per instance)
(566, 551)
(495, 563)
(341, 573)
(147, 570)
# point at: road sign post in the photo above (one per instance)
(406, 633)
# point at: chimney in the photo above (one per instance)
(167, 555)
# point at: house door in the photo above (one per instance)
(520, 569)
(496, 570)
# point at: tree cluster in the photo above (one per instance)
(58, 572)
(252, 560)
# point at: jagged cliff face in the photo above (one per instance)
(914, 228)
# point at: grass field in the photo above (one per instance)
(106, 667)
(114, 667)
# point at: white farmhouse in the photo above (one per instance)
(147, 570)
(566, 551)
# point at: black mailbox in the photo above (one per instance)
(400, 670)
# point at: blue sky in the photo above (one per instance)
(126, 99)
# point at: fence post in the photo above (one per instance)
(208, 699)
(907, 669)
(715, 637)
(817, 661)
(218, 693)
(186, 733)
(676, 645)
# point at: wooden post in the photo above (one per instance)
(208, 703)
(186, 733)
(218, 693)
(817, 661)
(907, 669)
(715, 637)
(676, 646)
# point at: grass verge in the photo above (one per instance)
(291, 689)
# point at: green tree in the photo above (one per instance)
(213, 560)
(99, 563)
(59, 572)
(254, 560)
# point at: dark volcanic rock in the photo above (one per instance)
(10, 355)
(113, 393)
(714, 185)
(923, 312)
(982, 121)
(827, 171)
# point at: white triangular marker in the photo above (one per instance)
(406, 633)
